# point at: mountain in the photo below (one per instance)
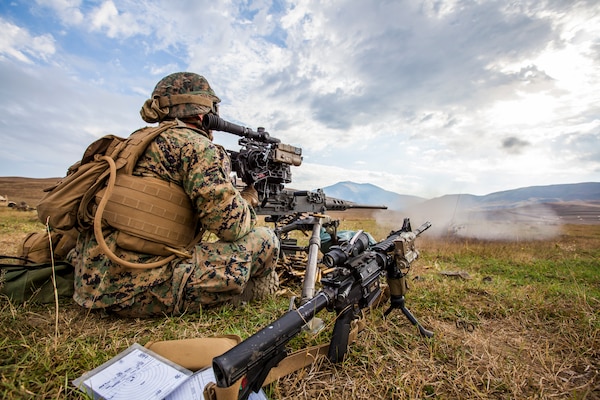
(587, 191)
(28, 190)
(532, 213)
(366, 193)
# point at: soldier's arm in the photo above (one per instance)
(220, 206)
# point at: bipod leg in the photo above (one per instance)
(424, 332)
(398, 302)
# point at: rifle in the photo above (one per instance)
(352, 285)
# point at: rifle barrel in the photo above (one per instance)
(422, 228)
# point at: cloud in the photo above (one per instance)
(117, 25)
(19, 44)
(67, 10)
(514, 145)
(426, 97)
(50, 120)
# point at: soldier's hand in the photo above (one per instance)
(250, 195)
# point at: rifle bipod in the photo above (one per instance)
(398, 302)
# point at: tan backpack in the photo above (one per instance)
(152, 216)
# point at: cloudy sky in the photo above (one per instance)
(424, 98)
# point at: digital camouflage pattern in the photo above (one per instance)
(217, 271)
(175, 84)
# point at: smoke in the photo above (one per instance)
(535, 222)
(450, 218)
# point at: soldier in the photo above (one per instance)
(239, 266)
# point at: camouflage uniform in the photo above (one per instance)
(216, 272)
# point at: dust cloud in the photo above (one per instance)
(449, 218)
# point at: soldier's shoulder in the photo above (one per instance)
(187, 133)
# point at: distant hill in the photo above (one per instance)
(365, 193)
(588, 191)
(28, 190)
(534, 212)
(584, 196)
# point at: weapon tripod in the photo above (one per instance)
(312, 223)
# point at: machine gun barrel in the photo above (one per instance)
(290, 201)
(214, 122)
(333, 204)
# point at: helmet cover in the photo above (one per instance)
(180, 95)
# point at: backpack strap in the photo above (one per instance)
(136, 145)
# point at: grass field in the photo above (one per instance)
(521, 321)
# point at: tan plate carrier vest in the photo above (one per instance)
(152, 216)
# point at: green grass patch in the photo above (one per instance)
(522, 321)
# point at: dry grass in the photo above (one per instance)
(525, 325)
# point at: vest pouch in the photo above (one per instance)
(150, 209)
(137, 244)
(36, 246)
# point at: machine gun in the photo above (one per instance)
(353, 284)
(264, 162)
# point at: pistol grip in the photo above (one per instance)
(341, 334)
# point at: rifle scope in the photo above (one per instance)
(338, 255)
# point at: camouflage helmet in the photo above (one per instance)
(180, 95)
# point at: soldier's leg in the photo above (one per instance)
(163, 299)
(145, 304)
(222, 270)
